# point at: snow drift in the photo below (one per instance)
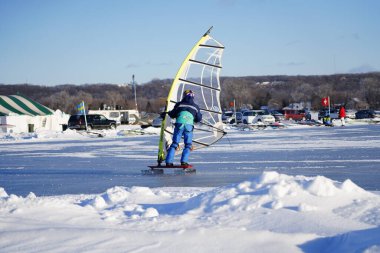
(270, 213)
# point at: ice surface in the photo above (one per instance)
(70, 163)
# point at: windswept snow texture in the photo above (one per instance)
(269, 213)
(70, 163)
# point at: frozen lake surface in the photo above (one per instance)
(78, 165)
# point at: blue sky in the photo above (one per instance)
(52, 42)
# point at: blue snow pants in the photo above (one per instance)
(185, 130)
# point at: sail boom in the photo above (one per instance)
(196, 141)
(214, 128)
(210, 131)
(201, 143)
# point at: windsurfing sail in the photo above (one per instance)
(199, 72)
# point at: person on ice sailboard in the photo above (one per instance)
(198, 72)
(186, 113)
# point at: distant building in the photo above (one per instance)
(299, 106)
(19, 114)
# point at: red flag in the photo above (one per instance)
(325, 101)
(231, 104)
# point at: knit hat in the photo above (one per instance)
(188, 93)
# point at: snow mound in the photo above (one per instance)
(322, 187)
(120, 131)
(266, 193)
(119, 202)
(314, 214)
(277, 191)
(3, 193)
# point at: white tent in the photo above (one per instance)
(19, 114)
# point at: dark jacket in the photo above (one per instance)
(187, 104)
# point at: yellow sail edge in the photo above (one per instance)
(161, 152)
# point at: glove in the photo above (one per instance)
(162, 115)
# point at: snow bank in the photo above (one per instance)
(128, 130)
(119, 203)
(270, 213)
(121, 131)
(278, 191)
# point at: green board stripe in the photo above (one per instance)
(10, 108)
(39, 106)
(23, 106)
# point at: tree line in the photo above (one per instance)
(355, 91)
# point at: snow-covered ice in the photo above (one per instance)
(300, 189)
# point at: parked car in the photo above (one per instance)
(334, 113)
(94, 121)
(228, 117)
(278, 116)
(350, 114)
(249, 116)
(364, 114)
(311, 115)
(293, 114)
(256, 116)
(239, 117)
(265, 117)
(157, 122)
